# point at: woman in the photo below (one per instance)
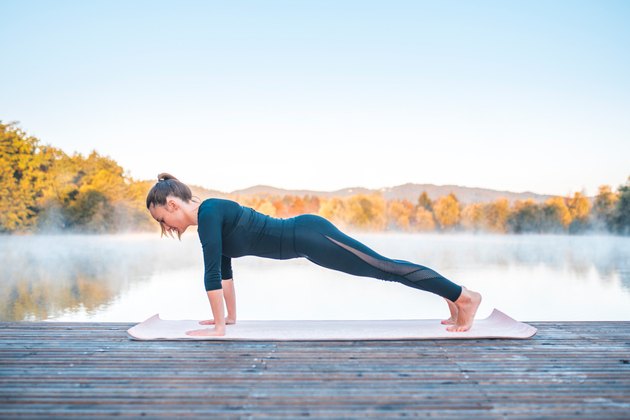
(227, 230)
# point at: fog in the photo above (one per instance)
(131, 277)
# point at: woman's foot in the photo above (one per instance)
(453, 308)
(467, 305)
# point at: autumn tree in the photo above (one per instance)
(472, 217)
(266, 207)
(24, 166)
(423, 220)
(333, 209)
(525, 216)
(555, 215)
(495, 215)
(446, 211)
(366, 212)
(280, 207)
(311, 204)
(580, 210)
(43, 188)
(399, 214)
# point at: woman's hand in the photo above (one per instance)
(206, 332)
(228, 321)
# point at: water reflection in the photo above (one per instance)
(46, 275)
(127, 277)
(610, 255)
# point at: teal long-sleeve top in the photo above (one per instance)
(228, 230)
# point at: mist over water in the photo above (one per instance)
(131, 277)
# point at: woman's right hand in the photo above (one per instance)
(228, 321)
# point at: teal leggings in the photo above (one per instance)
(321, 242)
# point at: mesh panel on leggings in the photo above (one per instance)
(413, 274)
(422, 274)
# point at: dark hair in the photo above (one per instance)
(167, 185)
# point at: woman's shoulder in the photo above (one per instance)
(222, 203)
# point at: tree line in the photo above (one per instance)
(609, 212)
(43, 189)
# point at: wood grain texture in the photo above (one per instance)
(567, 370)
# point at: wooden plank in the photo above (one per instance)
(569, 369)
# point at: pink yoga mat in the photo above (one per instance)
(497, 325)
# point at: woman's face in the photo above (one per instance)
(171, 216)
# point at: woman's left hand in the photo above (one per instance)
(206, 332)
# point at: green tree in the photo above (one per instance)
(525, 217)
(604, 207)
(621, 219)
(425, 202)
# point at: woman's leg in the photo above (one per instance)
(318, 240)
(322, 243)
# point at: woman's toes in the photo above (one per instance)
(458, 328)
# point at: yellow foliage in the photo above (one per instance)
(423, 220)
(557, 210)
(400, 213)
(472, 216)
(446, 211)
(366, 211)
(495, 215)
(265, 207)
(333, 209)
(579, 207)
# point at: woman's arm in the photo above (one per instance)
(230, 300)
(216, 303)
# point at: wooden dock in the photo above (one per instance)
(567, 370)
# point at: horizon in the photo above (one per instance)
(613, 188)
(518, 97)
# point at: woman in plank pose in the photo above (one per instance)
(228, 230)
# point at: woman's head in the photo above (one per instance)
(168, 202)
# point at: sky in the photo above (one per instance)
(507, 95)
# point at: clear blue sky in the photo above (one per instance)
(510, 95)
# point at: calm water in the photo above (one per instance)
(132, 277)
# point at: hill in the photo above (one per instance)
(409, 191)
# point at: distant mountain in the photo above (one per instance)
(204, 193)
(409, 191)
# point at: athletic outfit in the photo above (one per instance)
(228, 230)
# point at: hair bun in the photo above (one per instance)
(165, 177)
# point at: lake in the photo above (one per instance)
(132, 277)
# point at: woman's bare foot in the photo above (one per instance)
(467, 305)
(453, 308)
(228, 321)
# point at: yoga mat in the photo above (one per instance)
(497, 325)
